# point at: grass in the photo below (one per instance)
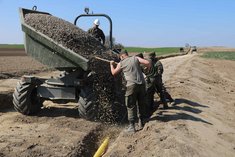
(220, 55)
(16, 46)
(159, 51)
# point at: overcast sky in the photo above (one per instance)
(143, 23)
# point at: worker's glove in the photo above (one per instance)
(112, 63)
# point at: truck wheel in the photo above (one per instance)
(86, 104)
(25, 98)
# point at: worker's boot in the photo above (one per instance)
(131, 128)
(172, 102)
(141, 124)
(163, 99)
(165, 106)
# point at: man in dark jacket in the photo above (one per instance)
(97, 32)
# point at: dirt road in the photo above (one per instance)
(200, 124)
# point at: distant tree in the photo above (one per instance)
(187, 45)
(181, 49)
(115, 45)
(118, 46)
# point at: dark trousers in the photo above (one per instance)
(167, 94)
(135, 99)
(150, 97)
(150, 91)
(159, 87)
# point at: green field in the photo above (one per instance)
(159, 51)
(17, 46)
(220, 55)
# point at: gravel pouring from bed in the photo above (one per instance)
(79, 41)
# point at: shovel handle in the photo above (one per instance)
(105, 60)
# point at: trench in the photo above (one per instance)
(92, 141)
(89, 144)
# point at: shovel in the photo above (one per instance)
(105, 60)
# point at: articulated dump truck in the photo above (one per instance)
(63, 46)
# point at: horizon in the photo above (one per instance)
(19, 44)
(138, 23)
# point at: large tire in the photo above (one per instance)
(25, 98)
(86, 104)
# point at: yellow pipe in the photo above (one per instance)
(102, 148)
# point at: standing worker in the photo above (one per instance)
(150, 85)
(135, 86)
(159, 85)
(97, 32)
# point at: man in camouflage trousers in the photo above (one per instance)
(97, 32)
(155, 83)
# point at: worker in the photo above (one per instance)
(150, 87)
(135, 86)
(159, 85)
(140, 55)
(97, 32)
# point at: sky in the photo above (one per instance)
(142, 23)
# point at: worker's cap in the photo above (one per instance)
(152, 54)
(140, 55)
(123, 51)
(97, 22)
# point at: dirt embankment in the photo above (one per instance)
(202, 121)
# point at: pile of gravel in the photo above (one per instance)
(64, 33)
(107, 88)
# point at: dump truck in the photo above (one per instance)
(75, 82)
